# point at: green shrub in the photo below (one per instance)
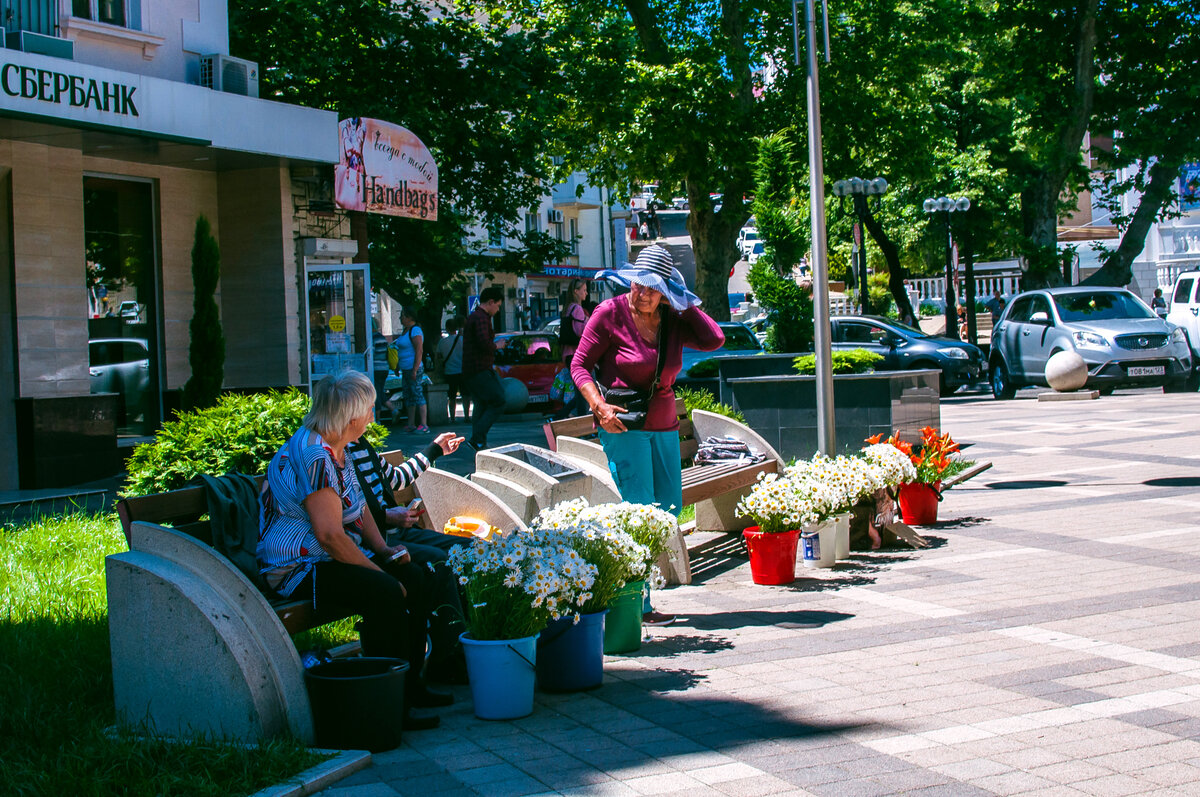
(854, 361)
(703, 400)
(240, 434)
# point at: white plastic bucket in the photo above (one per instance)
(841, 548)
(818, 543)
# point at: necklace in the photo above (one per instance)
(646, 323)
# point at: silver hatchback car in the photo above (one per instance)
(1119, 337)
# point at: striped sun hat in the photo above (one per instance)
(655, 269)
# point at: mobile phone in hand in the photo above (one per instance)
(414, 505)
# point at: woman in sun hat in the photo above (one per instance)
(621, 343)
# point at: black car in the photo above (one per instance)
(904, 348)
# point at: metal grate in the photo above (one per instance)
(1142, 342)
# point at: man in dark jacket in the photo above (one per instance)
(479, 357)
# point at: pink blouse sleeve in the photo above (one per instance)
(699, 331)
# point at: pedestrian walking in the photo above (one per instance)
(479, 356)
(1158, 304)
(449, 356)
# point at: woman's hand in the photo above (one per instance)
(448, 442)
(396, 553)
(413, 374)
(606, 416)
(401, 517)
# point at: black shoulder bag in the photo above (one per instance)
(637, 402)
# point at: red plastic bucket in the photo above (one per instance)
(772, 556)
(919, 503)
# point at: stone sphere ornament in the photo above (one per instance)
(516, 395)
(1066, 371)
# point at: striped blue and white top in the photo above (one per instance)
(287, 545)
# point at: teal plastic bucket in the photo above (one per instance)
(502, 676)
(623, 625)
(570, 655)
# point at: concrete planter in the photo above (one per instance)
(782, 407)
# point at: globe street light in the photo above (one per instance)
(859, 189)
(946, 205)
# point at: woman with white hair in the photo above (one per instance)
(318, 542)
(636, 341)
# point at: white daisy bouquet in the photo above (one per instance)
(616, 555)
(648, 525)
(824, 481)
(891, 465)
(517, 583)
(779, 503)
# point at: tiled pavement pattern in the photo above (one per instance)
(1048, 644)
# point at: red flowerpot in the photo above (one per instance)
(919, 503)
(772, 556)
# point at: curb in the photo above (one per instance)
(313, 780)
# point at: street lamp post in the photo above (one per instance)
(947, 206)
(859, 189)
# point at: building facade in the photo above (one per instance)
(122, 122)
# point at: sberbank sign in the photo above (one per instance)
(31, 83)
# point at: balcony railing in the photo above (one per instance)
(34, 16)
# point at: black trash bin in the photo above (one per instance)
(358, 703)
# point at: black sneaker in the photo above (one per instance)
(477, 446)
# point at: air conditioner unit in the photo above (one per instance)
(555, 216)
(229, 74)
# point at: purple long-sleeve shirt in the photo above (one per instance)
(612, 342)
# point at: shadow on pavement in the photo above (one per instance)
(667, 646)
(1029, 484)
(957, 523)
(1174, 481)
(716, 557)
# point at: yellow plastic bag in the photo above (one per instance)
(462, 526)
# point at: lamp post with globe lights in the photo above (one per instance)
(947, 206)
(858, 190)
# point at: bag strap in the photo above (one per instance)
(662, 354)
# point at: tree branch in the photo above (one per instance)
(1117, 269)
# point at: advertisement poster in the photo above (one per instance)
(384, 168)
(1189, 187)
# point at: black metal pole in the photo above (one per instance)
(951, 309)
(972, 328)
(864, 290)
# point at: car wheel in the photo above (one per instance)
(1002, 386)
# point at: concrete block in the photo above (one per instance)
(521, 501)
(1077, 395)
(588, 450)
(196, 647)
(548, 476)
(446, 495)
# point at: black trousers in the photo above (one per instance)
(488, 398)
(428, 549)
(393, 623)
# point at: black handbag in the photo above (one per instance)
(637, 402)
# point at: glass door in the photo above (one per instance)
(121, 277)
(339, 319)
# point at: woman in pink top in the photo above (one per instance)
(622, 340)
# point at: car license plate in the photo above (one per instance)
(539, 398)
(1146, 370)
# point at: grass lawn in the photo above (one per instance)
(56, 701)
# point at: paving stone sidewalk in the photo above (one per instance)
(1047, 644)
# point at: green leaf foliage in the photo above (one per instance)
(703, 400)
(788, 305)
(240, 433)
(854, 361)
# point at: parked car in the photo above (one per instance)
(746, 238)
(739, 342)
(755, 251)
(905, 348)
(121, 366)
(1184, 313)
(533, 358)
(551, 325)
(679, 203)
(1119, 337)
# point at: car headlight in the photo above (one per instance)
(1178, 335)
(954, 353)
(1089, 340)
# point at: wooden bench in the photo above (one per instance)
(700, 482)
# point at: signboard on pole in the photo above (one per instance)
(384, 168)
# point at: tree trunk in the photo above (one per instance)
(714, 243)
(1040, 201)
(1117, 269)
(891, 255)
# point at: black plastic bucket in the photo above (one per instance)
(358, 703)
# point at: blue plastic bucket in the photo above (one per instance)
(570, 655)
(502, 676)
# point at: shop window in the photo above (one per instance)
(121, 276)
(110, 12)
